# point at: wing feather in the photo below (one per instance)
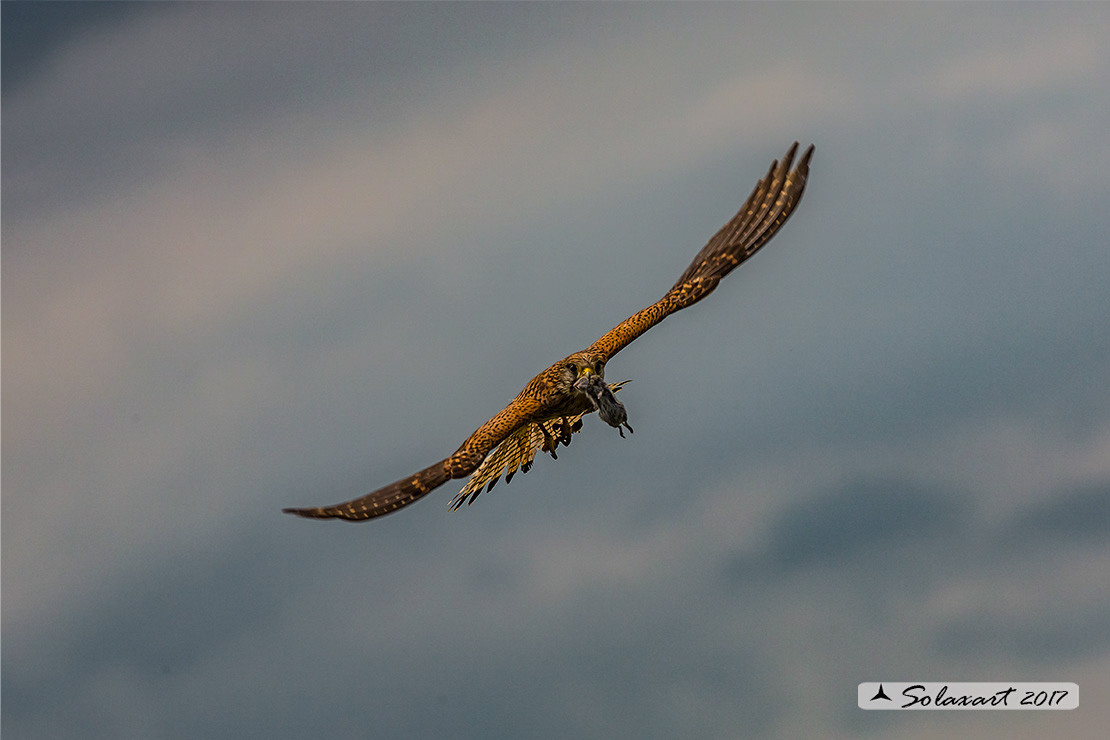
(412, 488)
(384, 500)
(764, 212)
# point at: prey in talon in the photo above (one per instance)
(611, 411)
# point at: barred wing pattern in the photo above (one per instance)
(518, 452)
(412, 488)
(766, 210)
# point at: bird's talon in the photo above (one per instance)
(565, 432)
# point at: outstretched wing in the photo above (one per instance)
(462, 463)
(518, 451)
(384, 500)
(764, 213)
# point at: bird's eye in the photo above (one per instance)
(571, 368)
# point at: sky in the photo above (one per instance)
(263, 255)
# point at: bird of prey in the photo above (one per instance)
(550, 408)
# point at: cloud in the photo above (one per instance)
(1080, 515)
(261, 260)
(1006, 71)
(864, 519)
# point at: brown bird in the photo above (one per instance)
(550, 408)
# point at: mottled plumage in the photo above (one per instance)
(550, 408)
(519, 449)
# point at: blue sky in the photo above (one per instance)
(266, 255)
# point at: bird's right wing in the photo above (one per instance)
(384, 500)
(462, 463)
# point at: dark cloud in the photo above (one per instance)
(891, 537)
(865, 519)
(112, 132)
(1069, 633)
(1079, 516)
(887, 552)
(34, 32)
(152, 628)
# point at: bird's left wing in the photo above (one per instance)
(760, 218)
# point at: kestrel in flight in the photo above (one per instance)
(550, 408)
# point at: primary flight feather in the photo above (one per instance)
(550, 408)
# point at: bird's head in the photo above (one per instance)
(585, 374)
(582, 365)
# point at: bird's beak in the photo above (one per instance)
(584, 372)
